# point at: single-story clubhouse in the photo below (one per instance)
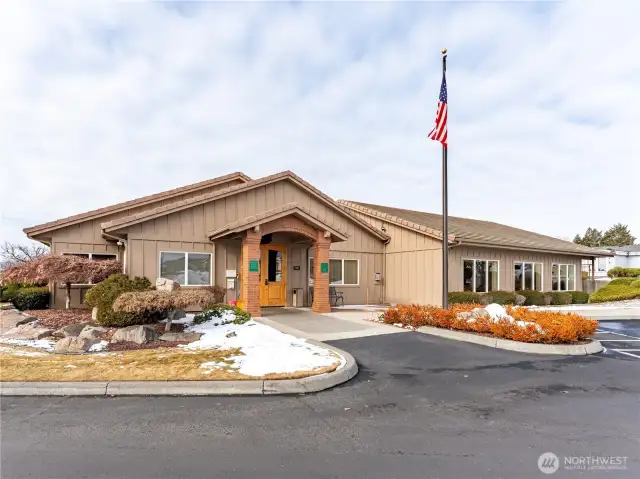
(279, 241)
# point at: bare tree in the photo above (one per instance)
(61, 269)
(12, 254)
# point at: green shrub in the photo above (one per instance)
(533, 298)
(500, 297)
(619, 272)
(31, 298)
(635, 284)
(579, 297)
(458, 297)
(105, 293)
(624, 281)
(216, 314)
(560, 297)
(614, 292)
(9, 292)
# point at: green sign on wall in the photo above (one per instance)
(254, 266)
(324, 267)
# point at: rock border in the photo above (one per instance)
(251, 387)
(592, 347)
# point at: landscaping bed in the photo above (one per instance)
(514, 323)
(58, 318)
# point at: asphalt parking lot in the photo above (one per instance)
(420, 407)
(621, 339)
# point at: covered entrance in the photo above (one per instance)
(273, 275)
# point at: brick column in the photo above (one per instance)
(250, 280)
(321, 280)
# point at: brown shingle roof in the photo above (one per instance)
(478, 232)
(136, 202)
(196, 200)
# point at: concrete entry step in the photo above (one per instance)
(304, 323)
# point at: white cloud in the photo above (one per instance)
(105, 101)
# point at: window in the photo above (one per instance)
(188, 269)
(94, 256)
(527, 276)
(341, 271)
(480, 275)
(563, 277)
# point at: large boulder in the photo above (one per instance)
(10, 318)
(94, 313)
(137, 334)
(28, 331)
(70, 330)
(189, 337)
(93, 332)
(74, 345)
(168, 285)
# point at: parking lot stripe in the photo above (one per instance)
(621, 340)
(625, 351)
(618, 334)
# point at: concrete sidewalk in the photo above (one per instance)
(303, 323)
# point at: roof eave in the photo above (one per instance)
(584, 254)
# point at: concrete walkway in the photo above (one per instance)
(303, 323)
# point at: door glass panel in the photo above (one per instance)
(493, 275)
(528, 276)
(481, 276)
(572, 277)
(563, 277)
(275, 266)
(517, 277)
(537, 276)
(468, 275)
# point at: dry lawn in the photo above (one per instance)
(166, 364)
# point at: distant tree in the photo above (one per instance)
(12, 254)
(592, 237)
(618, 235)
(65, 269)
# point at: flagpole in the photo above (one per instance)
(445, 212)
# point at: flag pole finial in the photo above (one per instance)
(444, 51)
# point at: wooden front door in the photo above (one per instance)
(273, 275)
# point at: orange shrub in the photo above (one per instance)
(557, 328)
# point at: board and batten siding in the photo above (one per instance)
(507, 259)
(412, 265)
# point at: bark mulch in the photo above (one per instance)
(130, 345)
(57, 318)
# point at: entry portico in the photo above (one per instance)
(266, 239)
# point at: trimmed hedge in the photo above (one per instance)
(9, 291)
(579, 297)
(216, 312)
(500, 297)
(635, 284)
(464, 297)
(31, 298)
(560, 298)
(624, 281)
(619, 272)
(533, 298)
(105, 293)
(615, 292)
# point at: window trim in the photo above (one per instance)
(522, 262)
(186, 269)
(342, 260)
(75, 253)
(575, 277)
(486, 274)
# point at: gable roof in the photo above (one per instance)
(478, 232)
(285, 210)
(125, 221)
(135, 202)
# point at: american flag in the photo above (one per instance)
(439, 133)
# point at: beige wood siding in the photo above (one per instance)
(507, 259)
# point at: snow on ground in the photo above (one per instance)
(101, 346)
(497, 312)
(45, 344)
(266, 350)
(20, 352)
(186, 320)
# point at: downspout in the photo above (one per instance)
(123, 242)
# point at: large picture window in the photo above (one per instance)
(527, 276)
(563, 277)
(93, 256)
(341, 271)
(188, 269)
(480, 275)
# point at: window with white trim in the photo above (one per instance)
(527, 275)
(480, 275)
(341, 271)
(187, 269)
(94, 256)
(563, 277)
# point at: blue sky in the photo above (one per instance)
(101, 102)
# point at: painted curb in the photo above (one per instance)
(259, 387)
(593, 347)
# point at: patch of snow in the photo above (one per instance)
(265, 350)
(101, 346)
(497, 312)
(18, 352)
(45, 344)
(71, 366)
